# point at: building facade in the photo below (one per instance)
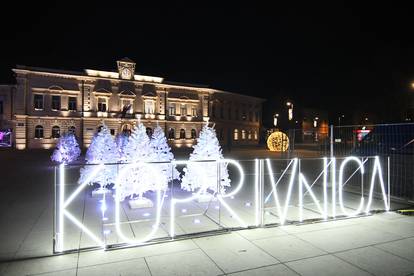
(45, 103)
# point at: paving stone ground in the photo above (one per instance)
(355, 246)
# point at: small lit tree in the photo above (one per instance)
(102, 150)
(203, 175)
(67, 149)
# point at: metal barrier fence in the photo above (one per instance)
(393, 140)
(260, 192)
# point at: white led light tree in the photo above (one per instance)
(204, 175)
(67, 149)
(102, 150)
(163, 154)
(143, 176)
(121, 143)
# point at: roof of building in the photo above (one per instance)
(127, 59)
(114, 75)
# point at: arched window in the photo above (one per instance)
(249, 135)
(149, 131)
(171, 133)
(38, 132)
(182, 133)
(193, 134)
(255, 135)
(55, 132)
(236, 134)
(72, 129)
(243, 134)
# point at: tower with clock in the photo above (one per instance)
(126, 69)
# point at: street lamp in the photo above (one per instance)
(315, 125)
(275, 119)
(315, 122)
(339, 119)
(290, 110)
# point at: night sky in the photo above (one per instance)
(337, 57)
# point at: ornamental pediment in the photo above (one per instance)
(127, 93)
(103, 85)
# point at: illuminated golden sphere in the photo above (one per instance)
(278, 141)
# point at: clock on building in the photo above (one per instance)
(126, 68)
(126, 73)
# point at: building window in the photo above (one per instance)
(183, 110)
(38, 132)
(229, 113)
(171, 109)
(244, 117)
(243, 134)
(149, 107)
(55, 132)
(126, 129)
(55, 102)
(237, 114)
(102, 104)
(255, 135)
(72, 104)
(171, 133)
(221, 112)
(182, 133)
(38, 102)
(250, 116)
(249, 135)
(236, 134)
(1, 107)
(194, 112)
(149, 131)
(256, 116)
(213, 111)
(127, 106)
(193, 134)
(72, 130)
(112, 131)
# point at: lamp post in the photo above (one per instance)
(315, 125)
(275, 117)
(315, 122)
(289, 104)
(339, 119)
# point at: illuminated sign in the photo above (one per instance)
(361, 133)
(296, 181)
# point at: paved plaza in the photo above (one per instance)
(381, 244)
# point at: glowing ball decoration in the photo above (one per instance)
(278, 141)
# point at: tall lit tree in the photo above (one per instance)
(121, 143)
(203, 175)
(102, 150)
(67, 149)
(163, 154)
(144, 176)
